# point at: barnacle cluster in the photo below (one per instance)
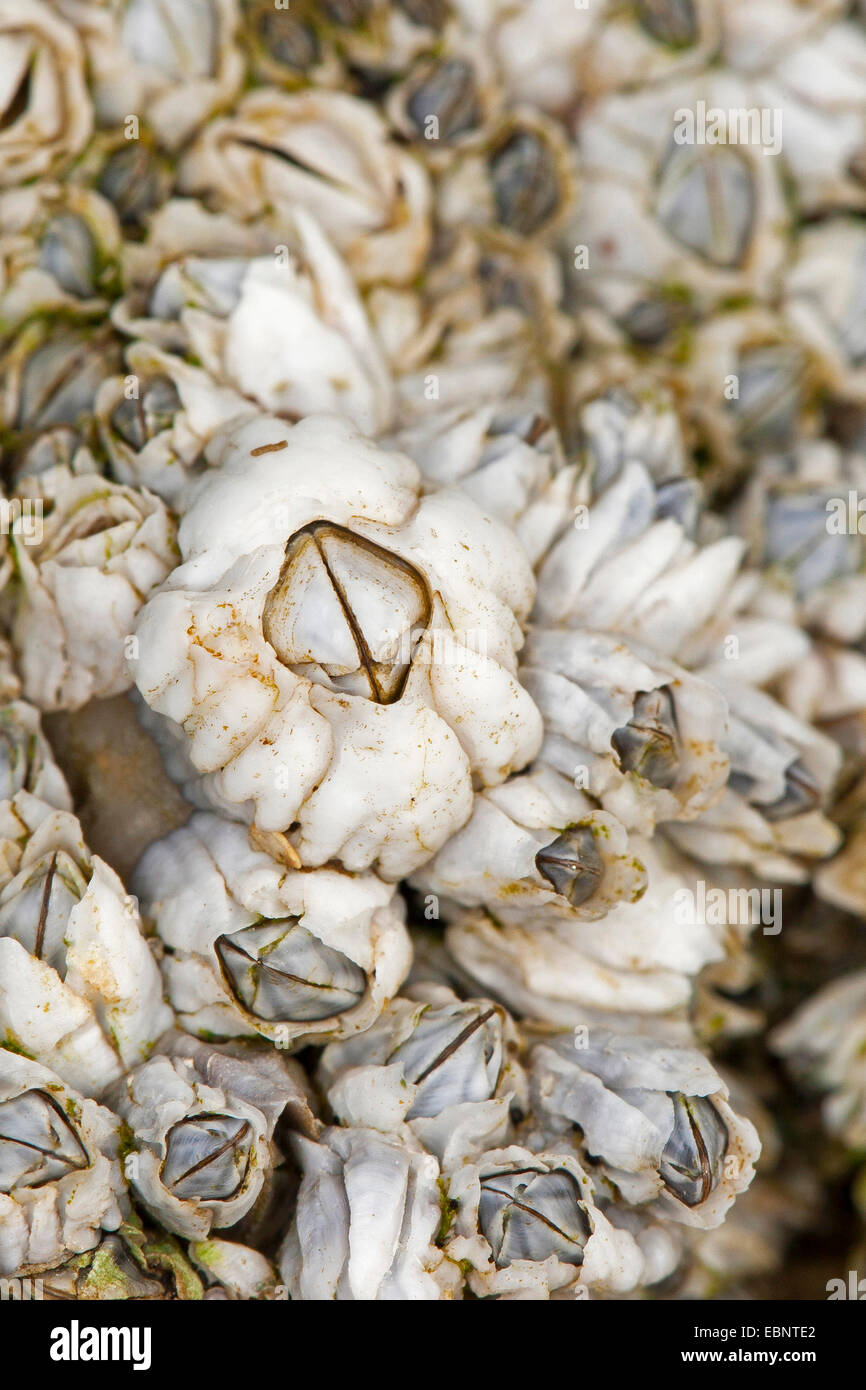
(433, 668)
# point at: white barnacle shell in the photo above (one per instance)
(383, 36)
(239, 1269)
(771, 814)
(287, 331)
(619, 421)
(656, 1113)
(26, 760)
(174, 67)
(653, 42)
(444, 1069)
(340, 653)
(643, 735)
(367, 1217)
(521, 179)
(659, 210)
(259, 948)
(60, 1181)
(820, 86)
(748, 384)
(825, 294)
(757, 33)
(538, 846)
(155, 421)
(326, 152)
(51, 372)
(45, 110)
(484, 325)
(200, 1152)
(640, 959)
(508, 460)
(629, 564)
(527, 1224)
(59, 247)
(538, 47)
(447, 100)
(794, 512)
(87, 553)
(79, 988)
(824, 1045)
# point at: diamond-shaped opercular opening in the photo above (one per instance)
(346, 613)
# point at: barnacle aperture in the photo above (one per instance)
(207, 1157)
(280, 972)
(572, 864)
(693, 1157)
(527, 1215)
(447, 1056)
(346, 613)
(38, 1144)
(706, 199)
(649, 744)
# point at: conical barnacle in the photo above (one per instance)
(625, 563)
(180, 68)
(52, 369)
(750, 382)
(291, 47)
(287, 332)
(508, 460)
(771, 815)
(26, 760)
(346, 611)
(640, 959)
(133, 1262)
(527, 1223)
(258, 947)
(71, 940)
(823, 1044)
(442, 1069)
(660, 209)
(485, 324)
(795, 514)
(330, 154)
(232, 1270)
(45, 122)
(638, 732)
(360, 1185)
(87, 552)
(820, 83)
(522, 180)
(525, 290)
(824, 296)
(59, 247)
(202, 1122)
(446, 101)
(60, 1182)
(536, 846)
(656, 1114)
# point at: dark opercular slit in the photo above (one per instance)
(43, 907)
(271, 971)
(20, 101)
(521, 1206)
(453, 1046)
(217, 1153)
